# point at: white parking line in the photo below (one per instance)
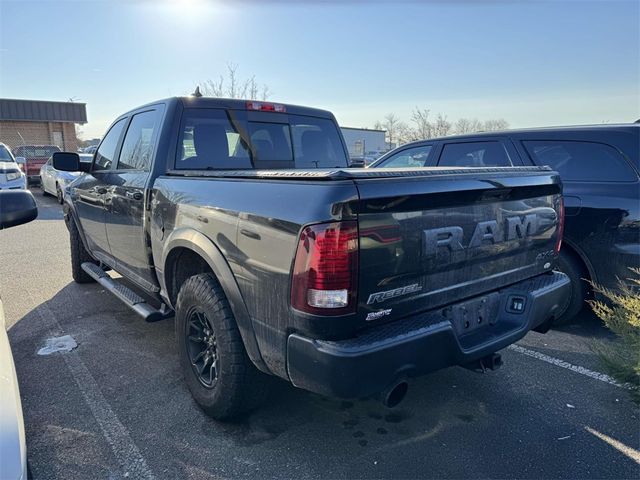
(603, 377)
(117, 436)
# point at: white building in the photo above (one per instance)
(363, 142)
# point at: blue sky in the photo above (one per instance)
(532, 63)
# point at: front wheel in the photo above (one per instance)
(221, 377)
(79, 255)
(59, 194)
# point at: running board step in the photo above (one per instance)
(128, 296)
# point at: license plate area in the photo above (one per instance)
(473, 315)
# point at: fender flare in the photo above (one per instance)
(203, 246)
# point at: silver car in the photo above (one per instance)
(11, 176)
(16, 207)
(52, 181)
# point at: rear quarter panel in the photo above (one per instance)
(255, 225)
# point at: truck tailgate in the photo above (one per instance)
(445, 235)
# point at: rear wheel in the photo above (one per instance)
(572, 266)
(221, 377)
(79, 254)
(59, 194)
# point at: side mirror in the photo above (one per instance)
(357, 163)
(66, 161)
(16, 207)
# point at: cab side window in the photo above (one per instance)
(474, 154)
(107, 151)
(408, 158)
(137, 147)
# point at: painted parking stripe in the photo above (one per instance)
(603, 377)
(115, 433)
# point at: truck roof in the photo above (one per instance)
(519, 131)
(236, 104)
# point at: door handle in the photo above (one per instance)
(250, 234)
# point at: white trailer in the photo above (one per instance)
(364, 142)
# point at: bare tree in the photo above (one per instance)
(442, 127)
(232, 86)
(468, 125)
(423, 128)
(397, 130)
(495, 124)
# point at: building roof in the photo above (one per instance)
(364, 129)
(42, 111)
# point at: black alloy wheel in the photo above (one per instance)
(202, 348)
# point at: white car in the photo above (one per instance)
(16, 207)
(53, 181)
(11, 176)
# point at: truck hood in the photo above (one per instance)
(8, 166)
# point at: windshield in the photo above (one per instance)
(211, 140)
(5, 155)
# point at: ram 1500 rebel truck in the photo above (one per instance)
(243, 219)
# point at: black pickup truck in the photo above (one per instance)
(243, 219)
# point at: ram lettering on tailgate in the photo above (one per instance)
(514, 228)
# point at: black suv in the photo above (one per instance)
(599, 167)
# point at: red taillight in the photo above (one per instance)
(325, 270)
(560, 225)
(266, 107)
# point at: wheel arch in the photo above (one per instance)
(577, 252)
(188, 252)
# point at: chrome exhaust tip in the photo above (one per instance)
(395, 394)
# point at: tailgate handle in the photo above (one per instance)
(496, 194)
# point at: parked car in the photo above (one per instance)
(599, 166)
(243, 219)
(33, 157)
(11, 176)
(16, 207)
(53, 181)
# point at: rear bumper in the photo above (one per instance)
(379, 357)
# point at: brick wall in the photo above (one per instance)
(38, 133)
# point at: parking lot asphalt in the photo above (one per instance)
(116, 406)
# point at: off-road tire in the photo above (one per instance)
(79, 255)
(570, 265)
(239, 386)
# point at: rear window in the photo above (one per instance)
(211, 140)
(581, 161)
(30, 151)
